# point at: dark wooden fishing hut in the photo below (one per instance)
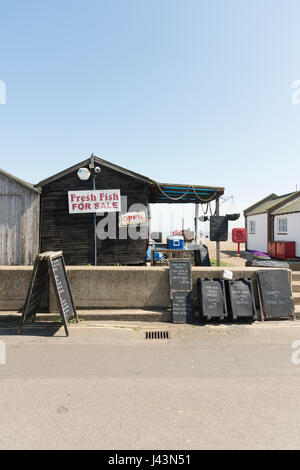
(74, 233)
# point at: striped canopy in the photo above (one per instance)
(183, 194)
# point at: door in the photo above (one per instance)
(10, 235)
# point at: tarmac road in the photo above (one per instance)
(212, 387)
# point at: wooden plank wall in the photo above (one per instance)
(74, 233)
(19, 223)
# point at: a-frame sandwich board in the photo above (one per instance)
(52, 263)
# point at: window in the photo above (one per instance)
(252, 226)
(282, 226)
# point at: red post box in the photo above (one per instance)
(239, 235)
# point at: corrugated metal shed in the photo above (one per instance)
(294, 206)
(19, 220)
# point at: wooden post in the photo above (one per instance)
(95, 225)
(218, 243)
(196, 225)
(92, 168)
(152, 257)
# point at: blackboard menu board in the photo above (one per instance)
(39, 282)
(62, 287)
(218, 228)
(180, 275)
(212, 299)
(275, 294)
(182, 307)
(240, 299)
(53, 262)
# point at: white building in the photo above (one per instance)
(286, 222)
(266, 222)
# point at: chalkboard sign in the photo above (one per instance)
(240, 299)
(53, 262)
(275, 294)
(38, 284)
(180, 275)
(218, 228)
(212, 299)
(269, 264)
(62, 287)
(182, 307)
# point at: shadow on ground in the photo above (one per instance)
(45, 329)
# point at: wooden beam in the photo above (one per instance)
(196, 225)
(218, 243)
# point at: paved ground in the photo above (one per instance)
(107, 387)
(229, 252)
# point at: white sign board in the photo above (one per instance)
(83, 174)
(132, 218)
(104, 200)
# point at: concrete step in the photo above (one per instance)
(99, 315)
(296, 298)
(297, 312)
(296, 286)
(295, 276)
(125, 315)
(294, 266)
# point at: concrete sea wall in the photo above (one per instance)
(108, 287)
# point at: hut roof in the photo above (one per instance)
(98, 160)
(271, 203)
(293, 206)
(158, 192)
(29, 186)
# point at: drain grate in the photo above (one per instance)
(157, 335)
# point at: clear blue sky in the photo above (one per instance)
(183, 91)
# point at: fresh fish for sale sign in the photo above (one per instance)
(104, 200)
